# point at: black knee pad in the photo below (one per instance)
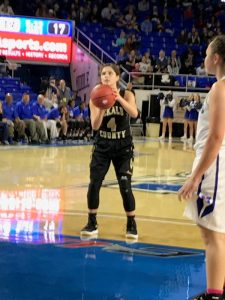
(93, 194)
(126, 192)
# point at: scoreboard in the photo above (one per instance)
(36, 40)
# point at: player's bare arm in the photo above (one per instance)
(97, 115)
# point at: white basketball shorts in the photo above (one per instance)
(208, 207)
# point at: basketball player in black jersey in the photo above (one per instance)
(113, 143)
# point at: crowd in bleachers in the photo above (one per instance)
(143, 26)
(55, 114)
(172, 34)
(142, 36)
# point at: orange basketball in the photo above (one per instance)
(102, 96)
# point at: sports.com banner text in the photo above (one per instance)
(43, 48)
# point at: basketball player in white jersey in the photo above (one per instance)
(207, 180)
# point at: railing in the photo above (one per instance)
(10, 65)
(182, 82)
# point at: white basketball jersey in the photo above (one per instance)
(203, 127)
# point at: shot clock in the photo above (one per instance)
(36, 40)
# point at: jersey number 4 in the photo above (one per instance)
(112, 124)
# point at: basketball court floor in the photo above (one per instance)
(43, 207)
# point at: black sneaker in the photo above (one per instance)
(131, 232)
(90, 229)
(199, 297)
(206, 297)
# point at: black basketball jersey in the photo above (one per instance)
(116, 123)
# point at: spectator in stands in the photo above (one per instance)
(155, 14)
(76, 97)
(8, 115)
(87, 10)
(149, 58)
(82, 117)
(188, 66)
(159, 26)
(81, 15)
(146, 67)
(193, 37)
(56, 9)
(51, 94)
(16, 126)
(188, 12)
(42, 10)
(131, 20)
(146, 25)
(128, 45)
(121, 40)
(64, 92)
(130, 5)
(172, 67)
(121, 57)
(135, 41)
(182, 38)
(51, 13)
(174, 63)
(200, 70)
(107, 14)
(4, 132)
(161, 61)
(6, 9)
(96, 14)
(137, 77)
(143, 5)
(43, 124)
(166, 22)
(60, 115)
(129, 64)
(23, 112)
(121, 22)
(205, 35)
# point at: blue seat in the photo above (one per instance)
(202, 82)
(211, 80)
(181, 79)
(2, 96)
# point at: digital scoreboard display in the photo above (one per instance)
(36, 40)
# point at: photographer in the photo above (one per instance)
(167, 104)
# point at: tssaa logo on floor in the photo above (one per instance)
(157, 184)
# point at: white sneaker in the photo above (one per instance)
(184, 137)
(190, 140)
(162, 137)
(170, 138)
